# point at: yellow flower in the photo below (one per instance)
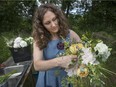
(80, 45)
(82, 71)
(74, 48)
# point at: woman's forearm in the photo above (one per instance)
(42, 65)
(63, 62)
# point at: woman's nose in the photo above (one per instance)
(53, 24)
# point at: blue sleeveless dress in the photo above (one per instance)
(52, 77)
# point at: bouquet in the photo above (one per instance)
(20, 48)
(88, 71)
(19, 42)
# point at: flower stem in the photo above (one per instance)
(110, 72)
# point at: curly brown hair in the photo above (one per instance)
(40, 34)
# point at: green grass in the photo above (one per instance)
(4, 51)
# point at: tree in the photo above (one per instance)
(15, 15)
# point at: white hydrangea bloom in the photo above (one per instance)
(16, 45)
(17, 40)
(101, 48)
(105, 56)
(23, 43)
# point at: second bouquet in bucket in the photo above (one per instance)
(20, 48)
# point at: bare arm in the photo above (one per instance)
(74, 36)
(40, 64)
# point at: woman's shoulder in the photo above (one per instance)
(74, 36)
(72, 32)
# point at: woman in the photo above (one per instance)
(48, 25)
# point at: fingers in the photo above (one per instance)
(73, 61)
(74, 57)
(68, 61)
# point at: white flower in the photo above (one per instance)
(101, 48)
(105, 56)
(88, 57)
(17, 40)
(16, 46)
(103, 51)
(23, 43)
(72, 71)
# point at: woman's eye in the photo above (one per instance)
(54, 19)
(47, 23)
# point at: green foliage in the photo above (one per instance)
(16, 15)
(4, 51)
(3, 78)
(100, 17)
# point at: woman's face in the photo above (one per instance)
(50, 22)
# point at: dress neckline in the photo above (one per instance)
(55, 40)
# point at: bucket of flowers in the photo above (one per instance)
(89, 70)
(20, 48)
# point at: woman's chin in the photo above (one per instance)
(55, 31)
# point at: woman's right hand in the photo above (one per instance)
(65, 61)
